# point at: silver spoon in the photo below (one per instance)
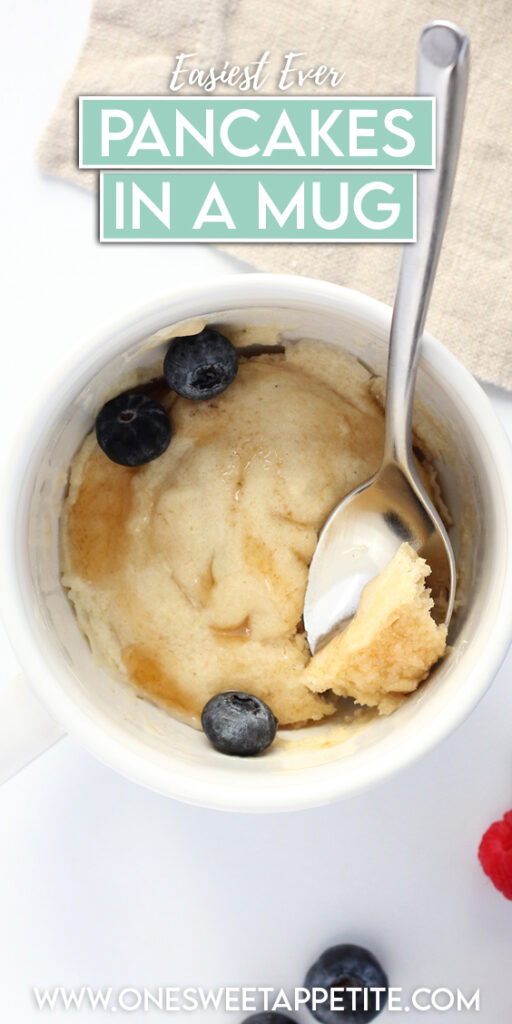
(366, 529)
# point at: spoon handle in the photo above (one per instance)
(442, 71)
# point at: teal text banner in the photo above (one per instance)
(253, 206)
(299, 132)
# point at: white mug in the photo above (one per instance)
(146, 743)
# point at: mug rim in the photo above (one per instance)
(115, 747)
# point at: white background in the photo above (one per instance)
(103, 883)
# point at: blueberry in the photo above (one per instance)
(238, 723)
(268, 1017)
(133, 429)
(348, 966)
(200, 366)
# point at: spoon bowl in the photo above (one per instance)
(361, 537)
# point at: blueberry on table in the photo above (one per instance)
(133, 429)
(348, 966)
(268, 1017)
(200, 366)
(238, 723)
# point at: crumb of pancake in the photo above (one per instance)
(391, 643)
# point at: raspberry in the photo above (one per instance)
(495, 854)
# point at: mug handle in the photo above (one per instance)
(26, 729)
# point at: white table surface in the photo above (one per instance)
(103, 883)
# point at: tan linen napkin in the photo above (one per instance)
(130, 48)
